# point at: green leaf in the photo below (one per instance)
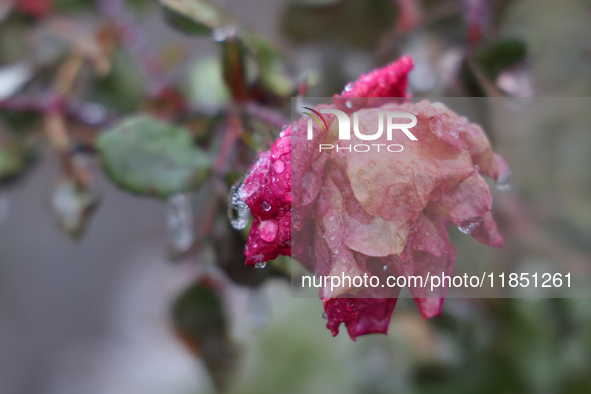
(16, 156)
(123, 88)
(499, 56)
(146, 156)
(359, 23)
(234, 66)
(273, 75)
(205, 86)
(194, 16)
(493, 59)
(201, 323)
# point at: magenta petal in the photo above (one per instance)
(360, 315)
(389, 81)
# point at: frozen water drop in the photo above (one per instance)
(349, 86)
(179, 220)
(222, 34)
(93, 113)
(385, 268)
(260, 265)
(349, 104)
(266, 206)
(324, 316)
(238, 211)
(470, 225)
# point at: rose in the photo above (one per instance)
(373, 212)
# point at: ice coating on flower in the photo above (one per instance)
(267, 190)
(374, 213)
(264, 191)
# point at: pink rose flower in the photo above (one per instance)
(373, 213)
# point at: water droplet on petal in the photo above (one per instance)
(260, 265)
(324, 316)
(349, 86)
(385, 268)
(179, 220)
(349, 104)
(470, 225)
(268, 230)
(279, 166)
(437, 127)
(266, 206)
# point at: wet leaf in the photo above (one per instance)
(273, 75)
(194, 16)
(123, 88)
(206, 86)
(73, 206)
(20, 121)
(234, 59)
(359, 23)
(499, 56)
(492, 59)
(16, 156)
(200, 321)
(146, 156)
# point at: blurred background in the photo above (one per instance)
(103, 291)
